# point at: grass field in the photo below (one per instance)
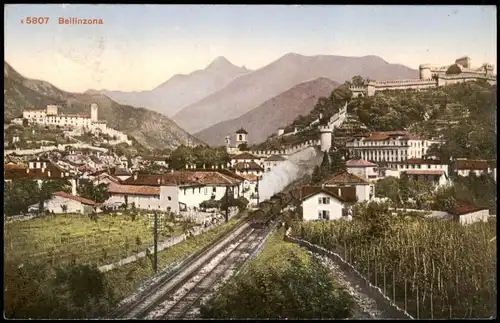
(38, 294)
(128, 278)
(62, 238)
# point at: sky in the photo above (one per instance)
(138, 47)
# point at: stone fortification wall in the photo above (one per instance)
(51, 148)
(288, 151)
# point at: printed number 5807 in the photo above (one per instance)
(37, 20)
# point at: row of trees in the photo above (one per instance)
(472, 190)
(40, 291)
(20, 195)
(199, 155)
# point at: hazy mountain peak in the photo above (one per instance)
(220, 63)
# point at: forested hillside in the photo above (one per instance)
(464, 115)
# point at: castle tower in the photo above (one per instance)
(425, 71)
(241, 137)
(93, 112)
(326, 137)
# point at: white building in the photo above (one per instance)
(244, 158)
(273, 161)
(435, 177)
(467, 214)
(67, 203)
(365, 190)
(465, 167)
(388, 146)
(431, 170)
(176, 191)
(50, 116)
(250, 188)
(327, 203)
(246, 168)
(362, 168)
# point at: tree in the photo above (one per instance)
(325, 164)
(317, 176)
(98, 193)
(19, 195)
(272, 287)
(357, 81)
(388, 187)
(337, 162)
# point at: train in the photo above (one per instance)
(269, 211)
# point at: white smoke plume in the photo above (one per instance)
(277, 179)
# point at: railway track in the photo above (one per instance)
(151, 296)
(191, 293)
(180, 292)
(191, 282)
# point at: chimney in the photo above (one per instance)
(340, 192)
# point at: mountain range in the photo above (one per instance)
(277, 112)
(151, 129)
(252, 89)
(181, 90)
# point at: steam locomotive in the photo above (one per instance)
(269, 211)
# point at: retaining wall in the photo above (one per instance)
(384, 303)
(161, 246)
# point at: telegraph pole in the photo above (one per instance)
(257, 186)
(155, 260)
(227, 204)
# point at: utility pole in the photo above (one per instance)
(155, 261)
(227, 204)
(257, 186)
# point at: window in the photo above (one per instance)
(215, 189)
(323, 200)
(205, 191)
(345, 212)
(169, 198)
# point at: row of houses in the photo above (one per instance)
(431, 170)
(334, 198)
(173, 191)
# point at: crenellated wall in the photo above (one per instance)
(287, 151)
(431, 76)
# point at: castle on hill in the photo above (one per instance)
(50, 116)
(432, 76)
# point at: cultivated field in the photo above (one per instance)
(63, 238)
(433, 269)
